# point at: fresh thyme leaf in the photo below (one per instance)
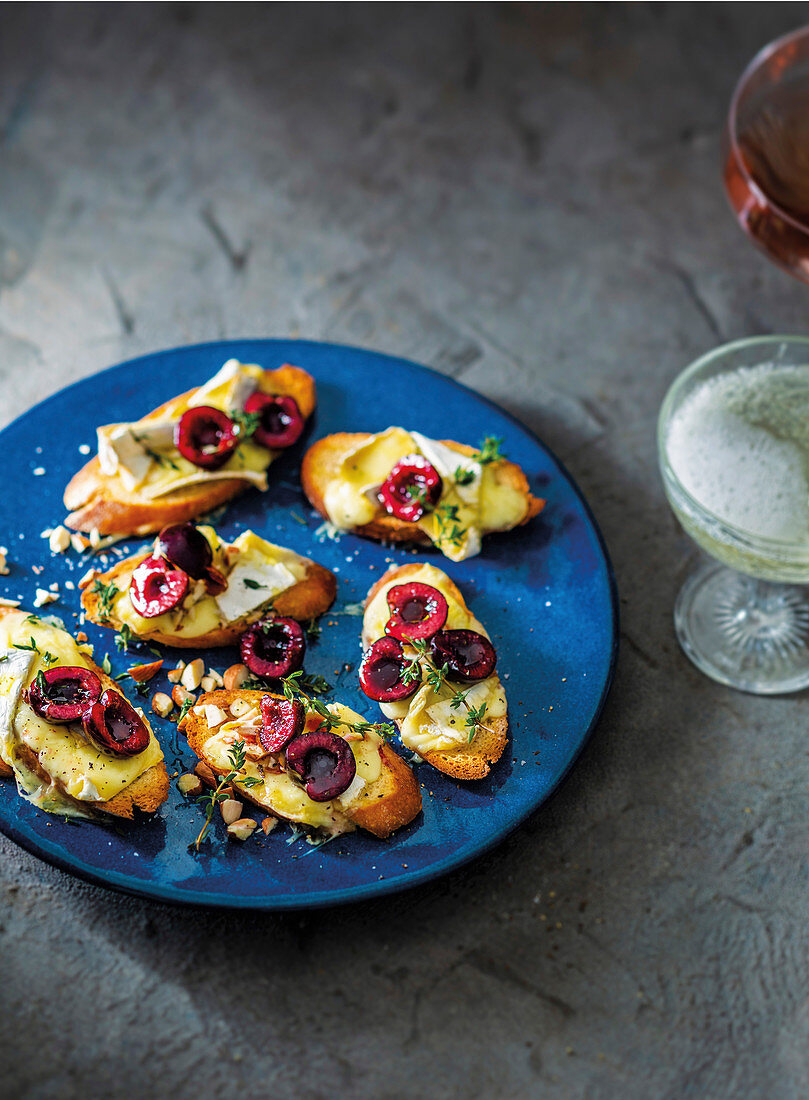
(463, 477)
(41, 683)
(34, 619)
(22, 645)
(124, 638)
(248, 582)
(490, 450)
(105, 664)
(184, 709)
(248, 423)
(160, 459)
(106, 594)
(317, 685)
(313, 630)
(142, 688)
(251, 781)
(48, 658)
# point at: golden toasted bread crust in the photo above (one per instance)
(321, 465)
(148, 792)
(307, 599)
(392, 801)
(472, 761)
(98, 501)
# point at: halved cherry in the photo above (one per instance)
(382, 672)
(468, 654)
(273, 648)
(412, 488)
(114, 724)
(156, 587)
(324, 761)
(62, 694)
(280, 421)
(416, 611)
(281, 720)
(206, 436)
(185, 546)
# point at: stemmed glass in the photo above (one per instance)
(733, 446)
(766, 151)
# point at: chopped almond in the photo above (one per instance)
(217, 679)
(162, 704)
(189, 785)
(193, 673)
(205, 773)
(268, 824)
(231, 810)
(207, 683)
(174, 675)
(142, 673)
(87, 579)
(180, 695)
(241, 829)
(235, 677)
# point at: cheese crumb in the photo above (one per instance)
(43, 597)
(58, 539)
(84, 448)
(39, 471)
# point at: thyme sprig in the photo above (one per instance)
(294, 688)
(106, 594)
(422, 667)
(236, 758)
(248, 422)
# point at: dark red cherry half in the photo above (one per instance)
(324, 761)
(382, 672)
(468, 655)
(114, 724)
(416, 611)
(156, 587)
(185, 546)
(62, 694)
(206, 436)
(281, 720)
(280, 421)
(273, 648)
(412, 488)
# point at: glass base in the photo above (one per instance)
(749, 634)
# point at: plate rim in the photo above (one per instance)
(112, 880)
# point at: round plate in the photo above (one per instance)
(545, 591)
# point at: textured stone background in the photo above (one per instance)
(527, 198)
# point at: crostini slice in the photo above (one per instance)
(251, 576)
(140, 481)
(401, 486)
(433, 722)
(57, 766)
(382, 797)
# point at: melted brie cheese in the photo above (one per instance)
(256, 571)
(468, 508)
(428, 722)
(75, 765)
(143, 455)
(284, 794)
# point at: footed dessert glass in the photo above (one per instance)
(733, 446)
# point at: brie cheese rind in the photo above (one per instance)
(143, 455)
(75, 766)
(256, 572)
(471, 499)
(283, 793)
(428, 722)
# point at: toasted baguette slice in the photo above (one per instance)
(146, 793)
(322, 463)
(100, 502)
(307, 599)
(381, 807)
(474, 759)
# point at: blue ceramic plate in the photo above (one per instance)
(545, 591)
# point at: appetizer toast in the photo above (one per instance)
(400, 486)
(191, 454)
(194, 589)
(330, 775)
(431, 666)
(68, 736)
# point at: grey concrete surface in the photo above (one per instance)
(527, 198)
